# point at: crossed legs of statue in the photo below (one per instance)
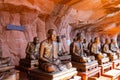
(81, 59)
(98, 56)
(55, 66)
(112, 56)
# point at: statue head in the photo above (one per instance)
(107, 41)
(97, 40)
(52, 34)
(36, 40)
(58, 39)
(79, 38)
(112, 40)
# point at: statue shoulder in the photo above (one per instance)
(44, 42)
(30, 43)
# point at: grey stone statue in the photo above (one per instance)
(96, 49)
(76, 50)
(114, 47)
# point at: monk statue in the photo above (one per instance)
(114, 47)
(59, 45)
(106, 49)
(85, 47)
(63, 55)
(49, 59)
(32, 50)
(96, 49)
(76, 50)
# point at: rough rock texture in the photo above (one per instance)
(90, 17)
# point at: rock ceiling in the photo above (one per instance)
(99, 15)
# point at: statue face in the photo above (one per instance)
(53, 36)
(36, 40)
(79, 38)
(97, 40)
(107, 41)
(112, 40)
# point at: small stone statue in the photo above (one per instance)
(96, 49)
(32, 50)
(85, 47)
(76, 50)
(64, 56)
(114, 47)
(49, 59)
(106, 49)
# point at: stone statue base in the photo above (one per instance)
(113, 74)
(12, 75)
(106, 67)
(85, 67)
(86, 75)
(6, 73)
(60, 75)
(116, 64)
(103, 61)
(114, 57)
(28, 63)
(6, 68)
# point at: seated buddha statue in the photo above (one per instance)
(76, 50)
(49, 60)
(63, 55)
(32, 50)
(106, 49)
(114, 47)
(85, 47)
(96, 49)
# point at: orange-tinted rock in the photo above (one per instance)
(67, 17)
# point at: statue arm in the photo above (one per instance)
(28, 48)
(41, 52)
(73, 50)
(104, 49)
(92, 48)
(112, 48)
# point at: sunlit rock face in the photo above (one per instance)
(90, 17)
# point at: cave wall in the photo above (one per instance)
(67, 17)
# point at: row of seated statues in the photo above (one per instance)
(49, 53)
(52, 58)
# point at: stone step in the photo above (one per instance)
(113, 74)
(100, 78)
